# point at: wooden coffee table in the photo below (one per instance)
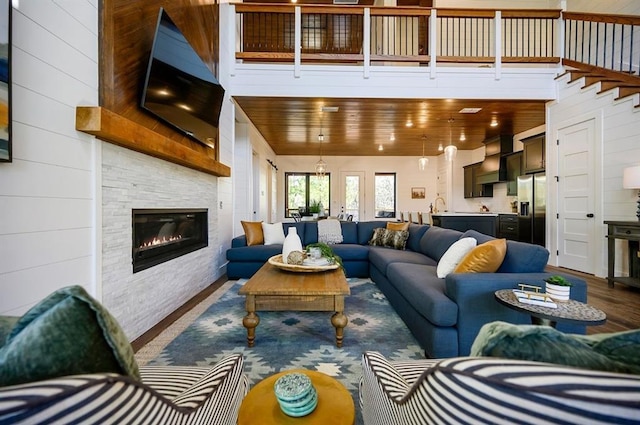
(335, 404)
(272, 289)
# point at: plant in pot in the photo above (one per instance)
(326, 252)
(314, 208)
(558, 288)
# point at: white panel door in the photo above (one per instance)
(576, 200)
(352, 194)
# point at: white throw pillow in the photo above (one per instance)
(273, 233)
(454, 255)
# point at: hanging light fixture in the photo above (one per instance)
(450, 151)
(321, 166)
(422, 162)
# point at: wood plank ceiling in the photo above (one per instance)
(291, 126)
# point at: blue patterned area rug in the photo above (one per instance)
(293, 340)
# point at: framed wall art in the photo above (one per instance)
(417, 193)
(5, 80)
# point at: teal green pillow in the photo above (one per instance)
(67, 333)
(546, 344)
(6, 323)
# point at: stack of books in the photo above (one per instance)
(534, 298)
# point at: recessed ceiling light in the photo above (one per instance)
(463, 137)
(470, 110)
(330, 108)
(392, 138)
(380, 148)
(409, 124)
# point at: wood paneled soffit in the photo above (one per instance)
(126, 35)
(116, 129)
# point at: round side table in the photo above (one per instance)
(335, 405)
(571, 311)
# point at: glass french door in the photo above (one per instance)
(352, 195)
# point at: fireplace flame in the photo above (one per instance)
(160, 241)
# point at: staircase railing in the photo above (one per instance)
(603, 43)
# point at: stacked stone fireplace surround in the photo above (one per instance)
(132, 180)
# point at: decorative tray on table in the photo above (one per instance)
(310, 267)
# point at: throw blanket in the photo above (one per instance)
(329, 231)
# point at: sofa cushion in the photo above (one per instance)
(382, 257)
(253, 232)
(456, 252)
(273, 233)
(521, 257)
(254, 253)
(416, 232)
(484, 258)
(421, 288)
(546, 344)
(351, 252)
(67, 333)
(436, 241)
(365, 230)
(349, 232)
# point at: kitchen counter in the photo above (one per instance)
(471, 214)
(483, 222)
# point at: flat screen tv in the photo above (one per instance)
(178, 86)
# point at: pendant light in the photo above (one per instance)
(450, 151)
(422, 162)
(321, 166)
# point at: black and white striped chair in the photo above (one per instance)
(483, 390)
(167, 395)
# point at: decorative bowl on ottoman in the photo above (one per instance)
(296, 394)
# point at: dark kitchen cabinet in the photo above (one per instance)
(508, 226)
(533, 154)
(473, 189)
(514, 169)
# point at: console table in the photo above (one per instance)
(629, 231)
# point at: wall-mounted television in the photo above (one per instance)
(179, 88)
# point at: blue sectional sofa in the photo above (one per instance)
(444, 315)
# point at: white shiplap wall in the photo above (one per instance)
(47, 194)
(619, 121)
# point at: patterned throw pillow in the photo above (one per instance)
(378, 237)
(396, 239)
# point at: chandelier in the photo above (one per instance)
(450, 151)
(422, 162)
(321, 166)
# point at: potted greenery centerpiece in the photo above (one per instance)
(558, 288)
(326, 252)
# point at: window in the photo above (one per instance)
(304, 190)
(385, 195)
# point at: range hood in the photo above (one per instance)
(494, 166)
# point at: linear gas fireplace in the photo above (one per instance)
(160, 235)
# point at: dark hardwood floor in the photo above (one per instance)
(621, 303)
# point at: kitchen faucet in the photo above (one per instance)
(435, 204)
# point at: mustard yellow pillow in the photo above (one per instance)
(253, 232)
(484, 258)
(397, 226)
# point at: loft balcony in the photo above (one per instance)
(407, 52)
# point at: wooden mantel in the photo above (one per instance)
(116, 129)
